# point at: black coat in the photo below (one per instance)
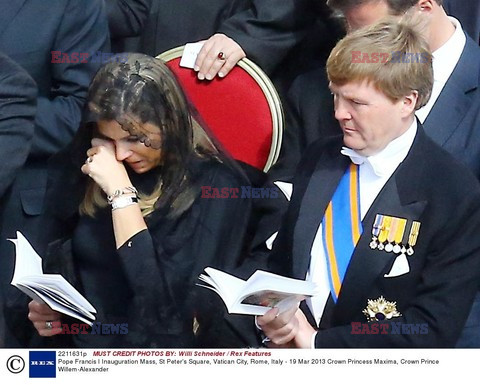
(126, 18)
(149, 282)
(17, 113)
(18, 94)
(444, 270)
(468, 12)
(309, 116)
(30, 31)
(170, 24)
(284, 37)
(453, 121)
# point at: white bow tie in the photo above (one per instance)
(356, 158)
(353, 155)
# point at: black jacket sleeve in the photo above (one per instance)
(83, 29)
(18, 94)
(126, 18)
(270, 28)
(162, 263)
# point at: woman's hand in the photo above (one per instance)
(46, 321)
(104, 168)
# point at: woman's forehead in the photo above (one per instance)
(111, 129)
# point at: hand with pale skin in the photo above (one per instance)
(289, 329)
(208, 63)
(110, 174)
(104, 168)
(40, 314)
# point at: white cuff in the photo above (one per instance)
(312, 341)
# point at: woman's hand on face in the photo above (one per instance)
(104, 168)
(46, 321)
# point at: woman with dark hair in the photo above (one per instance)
(132, 230)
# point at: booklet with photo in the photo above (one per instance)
(261, 292)
(51, 289)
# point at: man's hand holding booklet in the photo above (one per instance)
(257, 295)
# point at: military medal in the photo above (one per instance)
(384, 231)
(377, 225)
(391, 235)
(399, 231)
(380, 310)
(412, 237)
(388, 234)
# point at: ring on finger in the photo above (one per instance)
(221, 55)
(49, 325)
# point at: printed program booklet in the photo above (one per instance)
(261, 292)
(51, 289)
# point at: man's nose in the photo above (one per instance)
(341, 112)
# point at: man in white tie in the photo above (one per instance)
(382, 219)
(451, 116)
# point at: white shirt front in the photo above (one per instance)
(375, 171)
(445, 60)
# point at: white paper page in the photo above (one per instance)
(264, 280)
(60, 284)
(190, 53)
(54, 305)
(32, 294)
(261, 286)
(27, 261)
(28, 271)
(63, 300)
(228, 285)
(247, 309)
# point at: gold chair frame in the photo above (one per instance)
(271, 95)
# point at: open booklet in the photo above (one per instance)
(51, 289)
(261, 292)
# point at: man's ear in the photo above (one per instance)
(425, 5)
(409, 103)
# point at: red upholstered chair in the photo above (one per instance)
(243, 109)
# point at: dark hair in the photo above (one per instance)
(143, 90)
(397, 7)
